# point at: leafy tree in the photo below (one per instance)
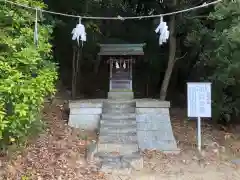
(201, 46)
(27, 73)
(218, 45)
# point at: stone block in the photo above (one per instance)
(163, 111)
(112, 164)
(120, 95)
(91, 111)
(122, 149)
(118, 122)
(91, 151)
(151, 103)
(149, 118)
(163, 141)
(118, 129)
(94, 103)
(118, 116)
(119, 110)
(154, 126)
(120, 134)
(114, 169)
(151, 122)
(119, 104)
(103, 156)
(84, 121)
(118, 138)
(155, 136)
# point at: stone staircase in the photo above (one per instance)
(117, 149)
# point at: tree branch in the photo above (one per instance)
(181, 57)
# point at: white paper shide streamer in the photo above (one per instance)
(36, 29)
(162, 29)
(79, 32)
(124, 65)
(117, 65)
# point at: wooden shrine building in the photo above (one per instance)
(120, 58)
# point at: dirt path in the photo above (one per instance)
(215, 162)
(185, 166)
(59, 154)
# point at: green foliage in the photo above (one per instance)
(219, 46)
(27, 74)
(224, 61)
(210, 42)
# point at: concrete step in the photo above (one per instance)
(119, 104)
(119, 110)
(114, 157)
(117, 156)
(120, 95)
(116, 168)
(120, 134)
(114, 162)
(118, 129)
(118, 138)
(118, 116)
(110, 122)
(123, 149)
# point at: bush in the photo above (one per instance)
(219, 63)
(27, 72)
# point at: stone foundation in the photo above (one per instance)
(154, 128)
(85, 114)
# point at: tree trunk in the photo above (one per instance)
(171, 59)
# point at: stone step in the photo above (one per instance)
(119, 110)
(110, 122)
(118, 138)
(119, 104)
(116, 169)
(117, 162)
(120, 95)
(118, 116)
(123, 149)
(119, 134)
(118, 129)
(117, 157)
(121, 101)
(114, 157)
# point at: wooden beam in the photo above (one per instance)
(74, 74)
(131, 74)
(110, 78)
(78, 68)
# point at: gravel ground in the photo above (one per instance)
(59, 154)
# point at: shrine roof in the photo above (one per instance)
(121, 49)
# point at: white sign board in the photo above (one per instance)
(199, 99)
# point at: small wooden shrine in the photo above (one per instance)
(147, 121)
(120, 58)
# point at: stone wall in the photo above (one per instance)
(154, 126)
(85, 114)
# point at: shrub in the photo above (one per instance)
(27, 72)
